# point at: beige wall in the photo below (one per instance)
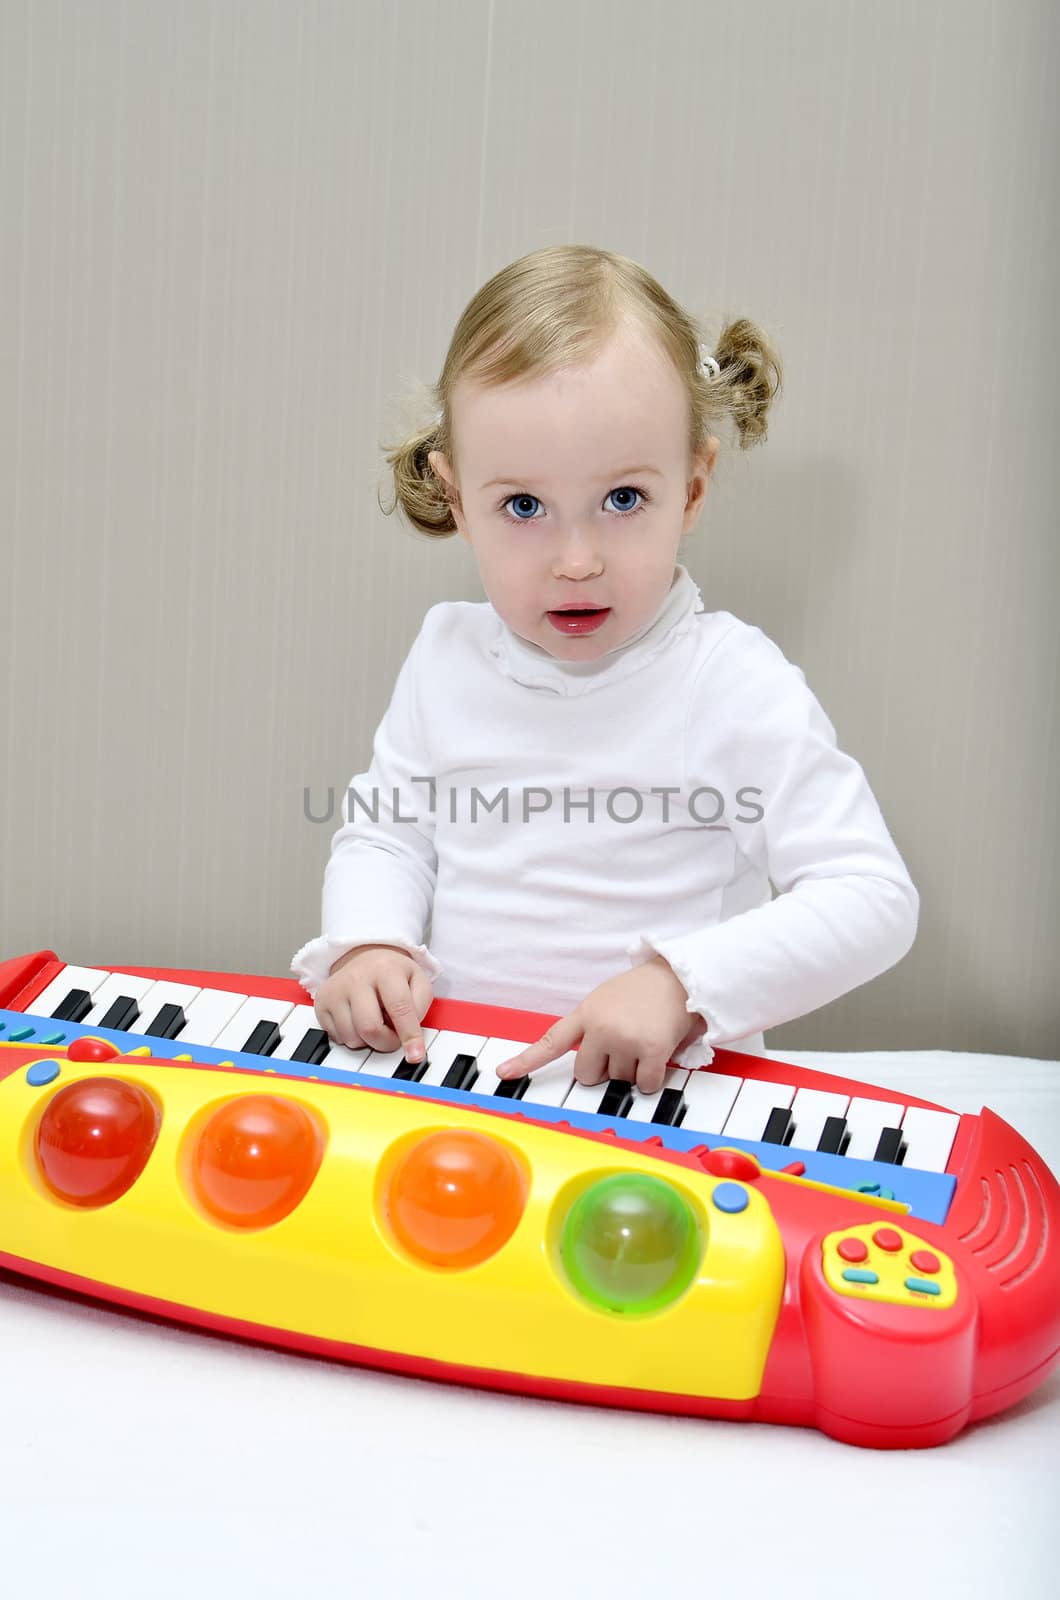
(233, 235)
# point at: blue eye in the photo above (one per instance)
(623, 512)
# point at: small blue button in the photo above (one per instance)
(22, 1033)
(861, 1275)
(42, 1072)
(925, 1285)
(730, 1197)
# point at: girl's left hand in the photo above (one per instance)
(629, 1028)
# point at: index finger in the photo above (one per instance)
(555, 1042)
(396, 996)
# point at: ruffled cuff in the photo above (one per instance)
(313, 963)
(700, 1052)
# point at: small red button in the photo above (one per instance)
(887, 1239)
(89, 1048)
(732, 1164)
(924, 1261)
(853, 1249)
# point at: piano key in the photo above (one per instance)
(780, 1125)
(810, 1108)
(929, 1137)
(157, 1014)
(264, 1038)
(890, 1147)
(118, 986)
(610, 1098)
(493, 1054)
(834, 1137)
(298, 1037)
(87, 978)
(462, 1074)
(670, 1112)
(120, 1014)
(244, 1023)
(551, 1084)
(384, 1063)
(208, 1014)
(409, 1071)
(866, 1120)
(74, 1007)
(645, 1107)
(446, 1047)
(710, 1097)
(753, 1105)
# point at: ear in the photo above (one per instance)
(439, 465)
(698, 485)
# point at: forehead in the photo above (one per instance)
(626, 404)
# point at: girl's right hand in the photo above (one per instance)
(375, 995)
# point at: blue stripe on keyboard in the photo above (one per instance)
(927, 1194)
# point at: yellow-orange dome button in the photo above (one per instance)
(455, 1197)
(255, 1160)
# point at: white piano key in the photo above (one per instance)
(645, 1106)
(208, 1014)
(550, 1085)
(113, 988)
(585, 1096)
(299, 1021)
(751, 1108)
(237, 1031)
(445, 1047)
(810, 1108)
(384, 1063)
(710, 1096)
(929, 1137)
(70, 978)
(866, 1120)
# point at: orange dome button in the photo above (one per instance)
(94, 1138)
(455, 1197)
(853, 1249)
(887, 1239)
(739, 1164)
(255, 1160)
(924, 1261)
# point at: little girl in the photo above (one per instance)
(587, 784)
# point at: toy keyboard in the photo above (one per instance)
(756, 1241)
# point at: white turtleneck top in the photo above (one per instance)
(545, 825)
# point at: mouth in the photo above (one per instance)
(578, 619)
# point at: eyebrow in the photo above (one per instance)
(620, 472)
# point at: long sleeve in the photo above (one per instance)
(846, 909)
(380, 877)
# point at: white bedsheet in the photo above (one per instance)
(146, 1460)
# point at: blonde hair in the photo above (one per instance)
(556, 308)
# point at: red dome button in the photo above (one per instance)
(853, 1249)
(924, 1261)
(887, 1239)
(89, 1048)
(732, 1164)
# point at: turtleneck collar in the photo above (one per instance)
(533, 667)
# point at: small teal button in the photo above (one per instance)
(22, 1033)
(867, 1188)
(861, 1275)
(730, 1197)
(42, 1072)
(925, 1285)
(54, 1038)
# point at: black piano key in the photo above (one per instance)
(121, 1015)
(779, 1127)
(834, 1136)
(671, 1110)
(891, 1147)
(73, 1007)
(512, 1088)
(167, 1024)
(312, 1048)
(410, 1071)
(263, 1039)
(616, 1099)
(461, 1074)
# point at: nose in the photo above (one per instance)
(576, 556)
